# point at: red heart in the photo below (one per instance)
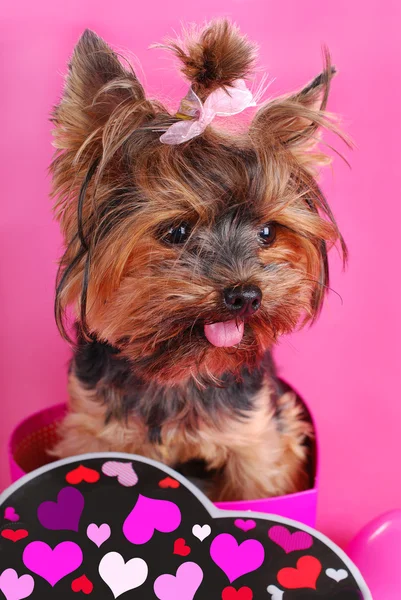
(82, 584)
(230, 593)
(180, 547)
(168, 482)
(304, 576)
(14, 534)
(82, 473)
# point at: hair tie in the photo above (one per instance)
(195, 116)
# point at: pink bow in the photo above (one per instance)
(224, 102)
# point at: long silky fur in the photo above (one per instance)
(140, 304)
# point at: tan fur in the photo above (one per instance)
(258, 461)
(213, 57)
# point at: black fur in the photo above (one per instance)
(99, 366)
(318, 81)
(81, 200)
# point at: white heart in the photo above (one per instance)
(276, 593)
(201, 532)
(337, 575)
(122, 576)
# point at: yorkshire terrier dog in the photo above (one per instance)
(190, 249)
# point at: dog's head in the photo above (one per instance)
(192, 258)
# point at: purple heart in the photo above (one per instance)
(289, 542)
(149, 514)
(236, 559)
(52, 564)
(183, 585)
(65, 513)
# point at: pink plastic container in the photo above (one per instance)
(33, 437)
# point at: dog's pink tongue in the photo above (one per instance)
(224, 335)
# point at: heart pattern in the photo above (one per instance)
(98, 535)
(108, 539)
(122, 576)
(81, 474)
(14, 587)
(275, 592)
(290, 542)
(82, 584)
(52, 564)
(201, 531)
(65, 513)
(230, 593)
(303, 576)
(124, 472)
(11, 515)
(14, 535)
(236, 559)
(149, 515)
(245, 524)
(338, 575)
(183, 585)
(181, 548)
(169, 482)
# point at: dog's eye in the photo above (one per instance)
(267, 234)
(177, 234)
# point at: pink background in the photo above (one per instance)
(347, 366)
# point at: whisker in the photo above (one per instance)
(328, 288)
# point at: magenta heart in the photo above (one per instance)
(52, 564)
(63, 514)
(182, 586)
(245, 525)
(236, 560)
(149, 515)
(289, 542)
(11, 515)
(124, 472)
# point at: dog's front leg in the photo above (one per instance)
(266, 453)
(88, 428)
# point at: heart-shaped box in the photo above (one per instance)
(33, 437)
(111, 523)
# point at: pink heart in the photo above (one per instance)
(183, 585)
(289, 542)
(124, 472)
(52, 564)
(245, 525)
(236, 560)
(98, 535)
(14, 587)
(11, 515)
(149, 514)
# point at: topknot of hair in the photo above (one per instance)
(214, 56)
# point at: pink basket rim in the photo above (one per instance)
(49, 414)
(29, 424)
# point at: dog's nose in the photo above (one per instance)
(243, 300)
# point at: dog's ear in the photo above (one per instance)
(96, 84)
(102, 104)
(292, 122)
